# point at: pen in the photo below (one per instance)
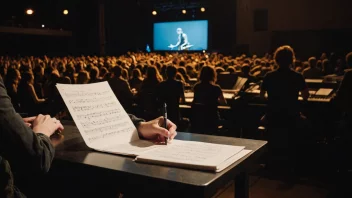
(165, 122)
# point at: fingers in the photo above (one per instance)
(30, 119)
(173, 135)
(170, 133)
(172, 129)
(58, 124)
(47, 117)
(161, 131)
(171, 126)
(60, 127)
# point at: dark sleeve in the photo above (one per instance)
(18, 143)
(136, 121)
(301, 82)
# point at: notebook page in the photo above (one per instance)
(98, 115)
(191, 153)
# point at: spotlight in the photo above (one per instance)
(29, 12)
(43, 26)
(184, 11)
(65, 12)
(154, 13)
(202, 9)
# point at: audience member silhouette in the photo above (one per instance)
(171, 92)
(121, 88)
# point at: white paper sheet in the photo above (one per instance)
(99, 116)
(191, 153)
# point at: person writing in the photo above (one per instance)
(27, 145)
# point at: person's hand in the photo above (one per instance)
(152, 130)
(46, 125)
(29, 121)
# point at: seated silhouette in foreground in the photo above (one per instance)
(27, 146)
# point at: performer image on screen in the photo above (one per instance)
(182, 43)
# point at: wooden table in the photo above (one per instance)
(145, 180)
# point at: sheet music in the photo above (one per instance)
(99, 116)
(192, 153)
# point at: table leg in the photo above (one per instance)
(242, 185)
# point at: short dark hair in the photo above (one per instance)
(349, 59)
(94, 73)
(117, 70)
(284, 56)
(312, 62)
(136, 73)
(245, 69)
(27, 76)
(182, 63)
(171, 72)
(207, 74)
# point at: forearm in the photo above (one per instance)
(22, 145)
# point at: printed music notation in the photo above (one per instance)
(81, 94)
(93, 107)
(92, 123)
(98, 114)
(104, 128)
(109, 134)
(95, 115)
(90, 100)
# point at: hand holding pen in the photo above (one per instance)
(155, 130)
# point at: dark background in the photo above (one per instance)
(132, 27)
(129, 26)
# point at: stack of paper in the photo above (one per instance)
(105, 126)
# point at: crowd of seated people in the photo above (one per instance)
(137, 78)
